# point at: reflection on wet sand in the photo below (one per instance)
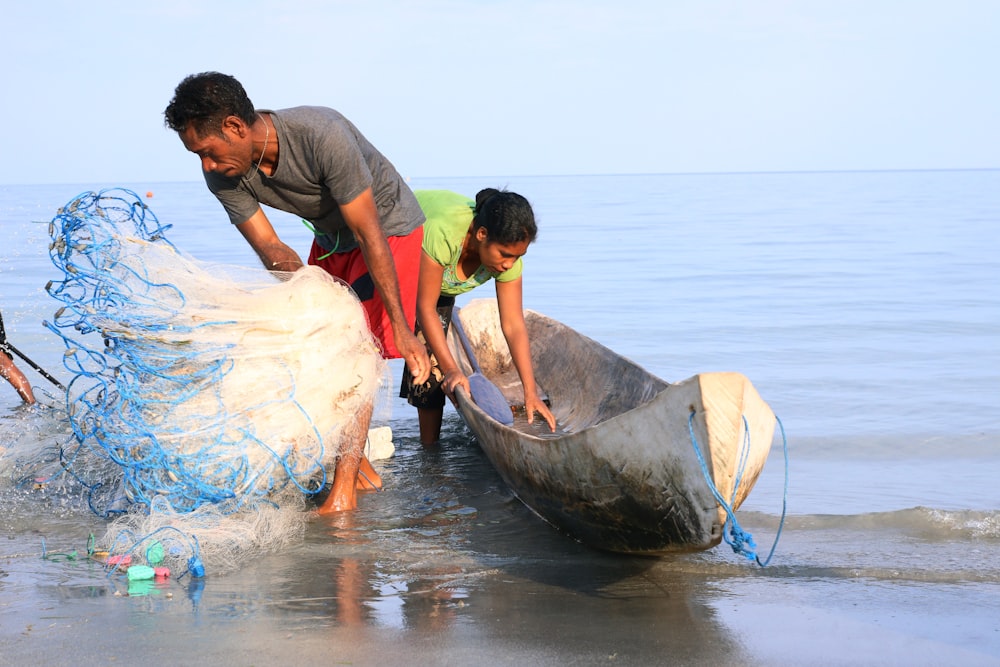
(450, 552)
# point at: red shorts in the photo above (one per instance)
(351, 268)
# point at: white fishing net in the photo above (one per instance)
(207, 400)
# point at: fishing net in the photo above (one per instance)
(207, 401)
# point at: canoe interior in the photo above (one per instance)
(584, 382)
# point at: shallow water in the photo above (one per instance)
(863, 307)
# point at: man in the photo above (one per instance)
(313, 162)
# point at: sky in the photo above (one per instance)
(516, 87)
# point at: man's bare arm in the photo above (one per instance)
(361, 215)
(272, 251)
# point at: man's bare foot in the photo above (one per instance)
(343, 492)
(335, 503)
(368, 478)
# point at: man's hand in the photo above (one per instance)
(414, 353)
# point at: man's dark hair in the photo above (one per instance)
(203, 101)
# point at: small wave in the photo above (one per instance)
(925, 523)
(973, 524)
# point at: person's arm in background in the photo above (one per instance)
(13, 374)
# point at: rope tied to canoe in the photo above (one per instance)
(740, 540)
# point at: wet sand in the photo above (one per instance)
(614, 614)
(444, 567)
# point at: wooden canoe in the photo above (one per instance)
(621, 473)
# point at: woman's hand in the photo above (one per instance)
(452, 380)
(533, 404)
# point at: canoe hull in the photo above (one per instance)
(623, 474)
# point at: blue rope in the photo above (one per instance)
(734, 535)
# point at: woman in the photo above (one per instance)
(465, 245)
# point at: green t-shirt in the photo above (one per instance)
(449, 216)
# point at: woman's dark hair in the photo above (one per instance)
(507, 216)
(203, 101)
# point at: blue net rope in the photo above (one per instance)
(733, 533)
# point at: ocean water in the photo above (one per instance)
(863, 306)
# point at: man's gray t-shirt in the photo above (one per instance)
(323, 161)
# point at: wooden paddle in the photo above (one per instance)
(486, 394)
